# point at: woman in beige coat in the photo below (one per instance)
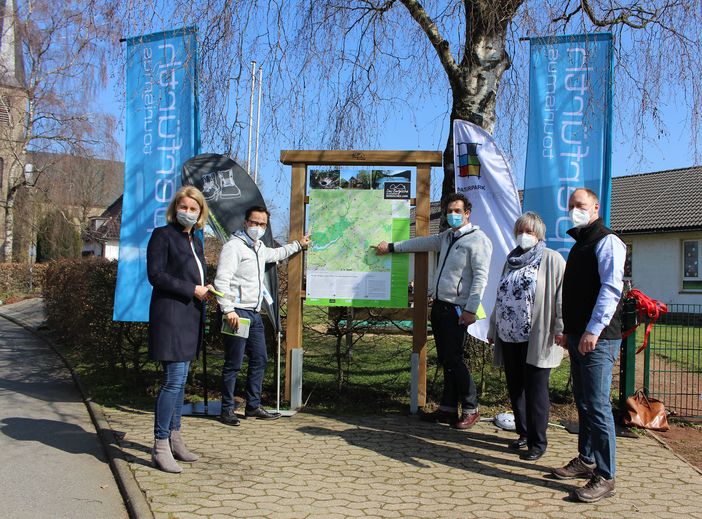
(527, 329)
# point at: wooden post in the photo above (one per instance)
(293, 335)
(299, 159)
(421, 281)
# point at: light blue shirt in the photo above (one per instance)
(611, 255)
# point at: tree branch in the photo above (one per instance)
(432, 31)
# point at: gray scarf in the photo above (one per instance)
(520, 258)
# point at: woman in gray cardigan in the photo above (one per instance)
(527, 329)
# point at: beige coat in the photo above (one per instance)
(546, 317)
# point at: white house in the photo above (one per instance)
(659, 217)
(102, 236)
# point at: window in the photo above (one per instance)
(5, 111)
(692, 274)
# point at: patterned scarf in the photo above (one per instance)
(520, 258)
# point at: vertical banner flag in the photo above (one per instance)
(570, 128)
(484, 177)
(162, 131)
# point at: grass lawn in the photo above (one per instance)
(679, 344)
(375, 376)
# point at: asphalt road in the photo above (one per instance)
(51, 462)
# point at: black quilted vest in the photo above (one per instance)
(581, 282)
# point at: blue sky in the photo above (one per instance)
(425, 128)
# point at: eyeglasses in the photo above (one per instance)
(254, 223)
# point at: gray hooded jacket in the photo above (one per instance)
(464, 263)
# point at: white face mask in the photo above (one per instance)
(255, 233)
(526, 241)
(579, 217)
(187, 219)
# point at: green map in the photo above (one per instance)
(345, 226)
(342, 266)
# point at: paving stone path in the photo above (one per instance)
(395, 466)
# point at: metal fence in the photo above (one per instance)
(673, 360)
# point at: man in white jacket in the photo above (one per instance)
(239, 278)
(457, 289)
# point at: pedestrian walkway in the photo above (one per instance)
(52, 463)
(312, 466)
(395, 466)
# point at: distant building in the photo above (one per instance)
(659, 217)
(101, 238)
(13, 103)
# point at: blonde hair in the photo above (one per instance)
(195, 194)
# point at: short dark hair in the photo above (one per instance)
(455, 197)
(257, 209)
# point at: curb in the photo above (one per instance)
(133, 497)
(666, 446)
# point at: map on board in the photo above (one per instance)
(342, 266)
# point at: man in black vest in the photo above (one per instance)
(592, 289)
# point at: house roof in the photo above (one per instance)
(668, 200)
(73, 180)
(109, 229)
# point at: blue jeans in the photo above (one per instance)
(255, 348)
(169, 402)
(592, 382)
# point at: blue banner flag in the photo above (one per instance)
(162, 132)
(570, 128)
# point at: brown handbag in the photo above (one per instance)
(645, 412)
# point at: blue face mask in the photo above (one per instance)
(454, 220)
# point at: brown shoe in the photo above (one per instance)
(576, 468)
(438, 416)
(466, 421)
(595, 489)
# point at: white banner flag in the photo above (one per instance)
(483, 175)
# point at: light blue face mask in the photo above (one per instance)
(454, 220)
(187, 219)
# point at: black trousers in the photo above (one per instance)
(459, 387)
(528, 391)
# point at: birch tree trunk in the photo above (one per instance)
(475, 80)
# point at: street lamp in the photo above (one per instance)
(32, 256)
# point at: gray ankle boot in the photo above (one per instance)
(162, 458)
(180, 451)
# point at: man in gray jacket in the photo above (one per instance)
(239, 278)
(457, 289)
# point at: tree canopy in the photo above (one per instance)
(335, 71)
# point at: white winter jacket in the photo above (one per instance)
(241, 269)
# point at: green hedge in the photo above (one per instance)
(16, 278)
(79, 298)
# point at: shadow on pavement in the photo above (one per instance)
(66, 437)
(45, 390)
(415, 444)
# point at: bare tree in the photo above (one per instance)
(336, 70)
(61, 52)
